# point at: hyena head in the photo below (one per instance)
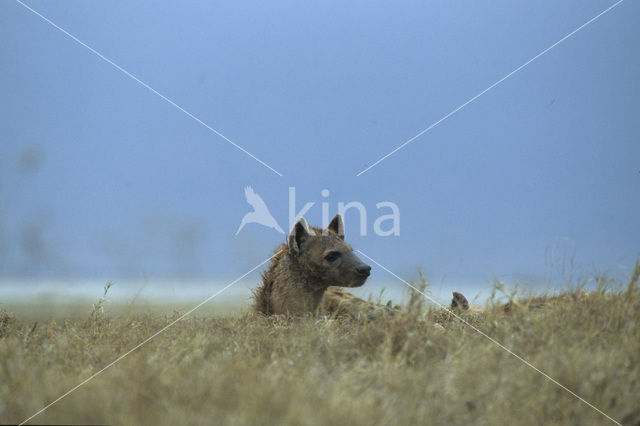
(324, 258)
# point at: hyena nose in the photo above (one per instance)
(364, 270)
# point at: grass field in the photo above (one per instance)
(242, 369)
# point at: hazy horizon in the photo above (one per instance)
(535, 180)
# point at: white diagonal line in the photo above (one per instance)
(490, 87)
(527, 363)
(133, 77)
(149, 338)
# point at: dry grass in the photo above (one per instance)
(243, 369)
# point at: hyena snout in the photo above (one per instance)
(359, 271)
(363, 270)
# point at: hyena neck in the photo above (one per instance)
(308, 289)
(315, 298)
(305, 276)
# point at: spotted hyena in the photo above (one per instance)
(307, 273)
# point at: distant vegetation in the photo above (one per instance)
(400, 369)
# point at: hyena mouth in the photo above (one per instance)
(359, 281)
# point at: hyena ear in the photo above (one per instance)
(337, 226)
(298, 235)
(459, 302)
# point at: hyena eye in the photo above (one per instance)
(332, 256)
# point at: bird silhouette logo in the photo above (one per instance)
(260, 213)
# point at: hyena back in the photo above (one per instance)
(305, 274)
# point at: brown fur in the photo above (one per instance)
(339, 302)
(299, 279)
(459, 302)
(461, 307)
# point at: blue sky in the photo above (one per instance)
(100, 178)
